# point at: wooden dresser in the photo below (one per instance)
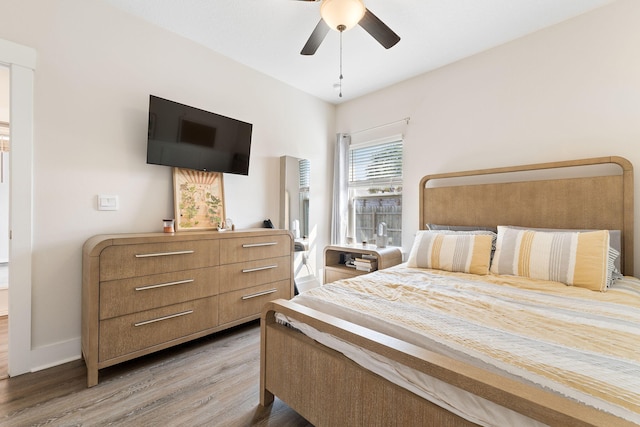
(145, 292)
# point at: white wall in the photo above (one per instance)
(96, 69)
(568, 92)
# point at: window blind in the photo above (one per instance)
(304, 171)
(373, 164)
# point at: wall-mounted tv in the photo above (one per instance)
(188, 137)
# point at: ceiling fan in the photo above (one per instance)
(342, 15)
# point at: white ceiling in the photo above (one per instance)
(267, 35)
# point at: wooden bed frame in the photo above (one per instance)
(327, 388)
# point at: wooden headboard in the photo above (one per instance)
(578, 194)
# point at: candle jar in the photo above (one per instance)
(168, 225)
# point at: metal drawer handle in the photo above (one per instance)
(259, 294)
(171, 316)
(266, 267)
(162, 285)
(163, 254)
(256, 245)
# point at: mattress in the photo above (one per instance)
(574, 342)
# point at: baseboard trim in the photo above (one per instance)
(55, 354)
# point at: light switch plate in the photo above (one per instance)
(107, 203)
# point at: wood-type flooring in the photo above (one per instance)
(213, 381)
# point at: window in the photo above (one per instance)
(375, 190)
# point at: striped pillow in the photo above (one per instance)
(573, 258)
(464, 253)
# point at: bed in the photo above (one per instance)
(331, 356)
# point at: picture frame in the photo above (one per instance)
(198, 199)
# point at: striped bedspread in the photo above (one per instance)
(579, 343)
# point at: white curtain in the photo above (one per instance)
(340, 211)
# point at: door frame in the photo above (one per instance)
(22, 63)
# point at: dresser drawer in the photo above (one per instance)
(248, 302)
(252, 248)
(126, 334)
(246, 274)
(122, 261)
(124, 296)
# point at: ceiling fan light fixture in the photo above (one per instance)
(342, 13)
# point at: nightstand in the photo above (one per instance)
(334, 259)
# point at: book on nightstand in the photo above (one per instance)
(366, 263)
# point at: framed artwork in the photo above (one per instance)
(198, 199)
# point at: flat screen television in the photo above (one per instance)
(188, 137)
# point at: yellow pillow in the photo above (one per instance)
(573, 258)
(464, 253)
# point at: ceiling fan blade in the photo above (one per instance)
(378, 30)
(318, 34)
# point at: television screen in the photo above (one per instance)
(188, 137)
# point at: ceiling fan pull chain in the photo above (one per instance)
(341, 28)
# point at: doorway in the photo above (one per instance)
(21, 62)
(4, 220)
